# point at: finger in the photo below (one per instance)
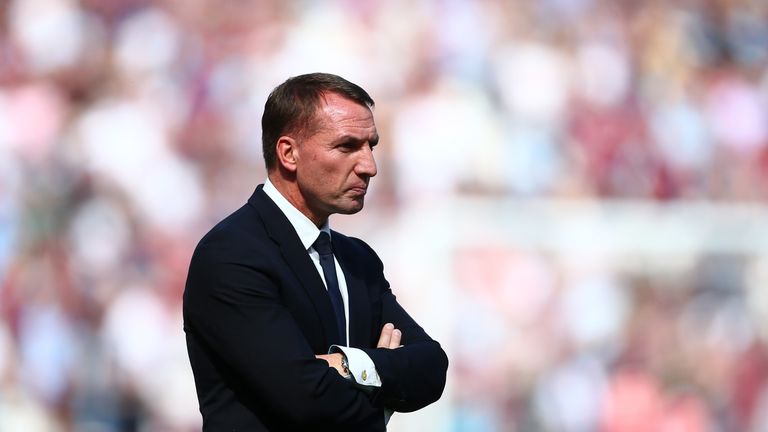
(386, 336)
(395, 341)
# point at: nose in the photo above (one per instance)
(366, 164)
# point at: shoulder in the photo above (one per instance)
(354, 247)
(341, 240)
(244, 222)
(241, 234)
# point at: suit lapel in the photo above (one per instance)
(359, 303)
(280, 230)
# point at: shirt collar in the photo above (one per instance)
(305, 228)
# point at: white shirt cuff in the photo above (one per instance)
(361, 366)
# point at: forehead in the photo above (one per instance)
(337, 112)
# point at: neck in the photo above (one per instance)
(290, 190)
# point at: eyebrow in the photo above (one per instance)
(372, 142)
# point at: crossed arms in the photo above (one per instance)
(388, 339)
(256, 335)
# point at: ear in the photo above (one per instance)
(287, 153)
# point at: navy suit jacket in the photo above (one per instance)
(256, 313)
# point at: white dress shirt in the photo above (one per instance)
(361, 366)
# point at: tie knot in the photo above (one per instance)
(323, 244)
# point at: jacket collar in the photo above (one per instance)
(281, 231)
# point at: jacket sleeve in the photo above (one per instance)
(413, 376)
(232, 308)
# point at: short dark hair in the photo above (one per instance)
(291, 107)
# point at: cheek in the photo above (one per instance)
(326, 172)
(322, 177)
(330, 170)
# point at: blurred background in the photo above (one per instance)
(572, 198)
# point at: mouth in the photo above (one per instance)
(359, 190)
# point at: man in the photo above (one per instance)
(292, 326)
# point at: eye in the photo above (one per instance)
(348, 146)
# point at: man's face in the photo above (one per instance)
(335, 164)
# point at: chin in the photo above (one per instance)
(352, 208)
(350, 211)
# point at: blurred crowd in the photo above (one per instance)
(565, 343)
(129, 127)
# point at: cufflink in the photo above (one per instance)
(364, 375)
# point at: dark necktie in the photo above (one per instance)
(323, 247)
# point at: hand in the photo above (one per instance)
(334, 361)
(390, 337)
